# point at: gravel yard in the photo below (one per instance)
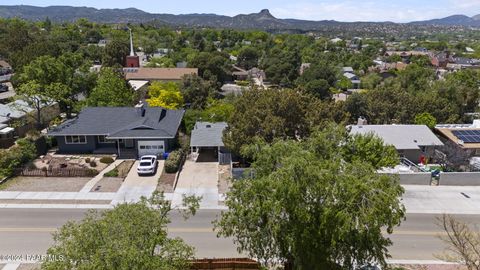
(166, 182)
(44, 184)
(108, 184)
(224, 179)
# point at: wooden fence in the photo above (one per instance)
(224, 264)
(65, 172)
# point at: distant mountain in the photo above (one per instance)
(263, 20)
(454, 20)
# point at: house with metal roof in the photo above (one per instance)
(125, 131)
(207, 138)
(411, 141)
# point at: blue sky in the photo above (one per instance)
(342, 10)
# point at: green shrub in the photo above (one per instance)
(93, 164)
(172, 164)
(16, 156)
(112, 173)
(106, 160)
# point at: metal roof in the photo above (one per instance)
(403, 137)
(207, 134)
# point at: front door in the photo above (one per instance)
(129, 143)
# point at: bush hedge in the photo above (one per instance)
(16, 156)
(172, 164)
(106, 160)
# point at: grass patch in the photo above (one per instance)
(8, 183)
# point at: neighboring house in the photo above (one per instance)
(347, 69)
(464, 137)
(16, 119)
(6, 71)
(353, 78)
(158, 74)
(6, 91)
(207, 138)
(126, 131)
(441, 59)
(411, 141)
(257, 75)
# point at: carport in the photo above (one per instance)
(206, 142)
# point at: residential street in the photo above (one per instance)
(28, 232)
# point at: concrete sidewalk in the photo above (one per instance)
(90, 184)
(199, 179)
(28, 195)
(442, 199)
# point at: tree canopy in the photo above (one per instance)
(166, 95)
(131, 236)
(315, 204)
(111, 90)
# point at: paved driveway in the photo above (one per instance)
(135, 186)
(199, 179)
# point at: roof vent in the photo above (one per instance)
(140, 109)
(362, 121)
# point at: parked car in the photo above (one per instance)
(148, 165)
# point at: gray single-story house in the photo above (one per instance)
(125, 131)
(207, 139)
(411, 141)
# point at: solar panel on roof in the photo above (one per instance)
(468, 136)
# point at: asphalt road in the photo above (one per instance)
(28, 232)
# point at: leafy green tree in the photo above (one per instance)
(248, 58)
(344, 83)
(307, 207)
(163, 62)
(196, 90)
(115, 52)
(111, 90)
(166, 95)
(371, 81)
(215, 111)
(426, 119)
(268, 114)
(36, 97)
(58, 79)
(318, 88)
(371, 149)
(212, 66)
(131, 236)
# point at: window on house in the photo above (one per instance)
(103, 139)
(75, 139)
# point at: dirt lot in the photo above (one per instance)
(41, 184)
(108, 184)
(166, 182)
(224, 179)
